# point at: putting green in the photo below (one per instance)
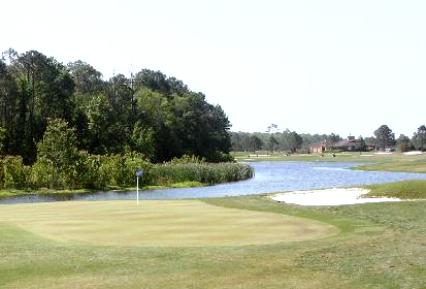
(159, 223)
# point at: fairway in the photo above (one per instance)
(195, 244)
(159, 223)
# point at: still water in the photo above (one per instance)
(269, 177)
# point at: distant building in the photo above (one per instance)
(349, 144)
(319, 147)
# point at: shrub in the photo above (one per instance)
(100, 172)
(45, 175)
(14, 174)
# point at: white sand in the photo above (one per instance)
(413, 153)
(329, 197)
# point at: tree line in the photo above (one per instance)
(385, 139)
(291, 141)
(148, 113)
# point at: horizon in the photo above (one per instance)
(313, 67)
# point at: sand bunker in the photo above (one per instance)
(329, 197)
(413, 153)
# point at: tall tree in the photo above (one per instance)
(332, 139)
(295, 141)
(44, 91)
(362, 144)
(255, 143)
(88, 81)
(420, 137)
(385, 137)
(272, 143)
(403, 142)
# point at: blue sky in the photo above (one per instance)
(310, 66)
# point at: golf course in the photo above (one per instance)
(247, 242)
(212, 144)
(232, 242)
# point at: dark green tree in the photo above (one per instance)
(256, 143)
(362, 144)
(272, 143)
(385, 137)
(420, 137)
(403, 142)
(295, 141)
(88, 81)
(57, 156)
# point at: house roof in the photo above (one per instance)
(346, 143)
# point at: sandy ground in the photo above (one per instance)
(413, 153)
(329, 197)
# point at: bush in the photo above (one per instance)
(100, 172)
(14, 174)
(45, 175)
(106, 171)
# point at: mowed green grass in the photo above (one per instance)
(376, 246)
(159, 223)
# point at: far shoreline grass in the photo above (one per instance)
(366, 161)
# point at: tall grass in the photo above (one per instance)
(115, 171)
(207, 173)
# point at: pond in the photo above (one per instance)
(269, 177)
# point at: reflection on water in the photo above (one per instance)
(270, 177)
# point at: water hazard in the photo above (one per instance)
(269, 177)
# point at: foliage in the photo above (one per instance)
(385, 137)
(13, 173)
(404, 143)
(255, 143)
(362, 144)
(287, 140)
(420, 137)
(2, 140)
(149, 113)
(57, 157)
(185, 159)
(272, 143)
(206, 173)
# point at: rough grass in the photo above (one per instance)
(159, 223)
(412, 189)
(379, 246)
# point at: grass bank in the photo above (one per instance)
(12, 193)
(370, 161)
(376, 245)
(412, 189)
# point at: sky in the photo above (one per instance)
(311, 66)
